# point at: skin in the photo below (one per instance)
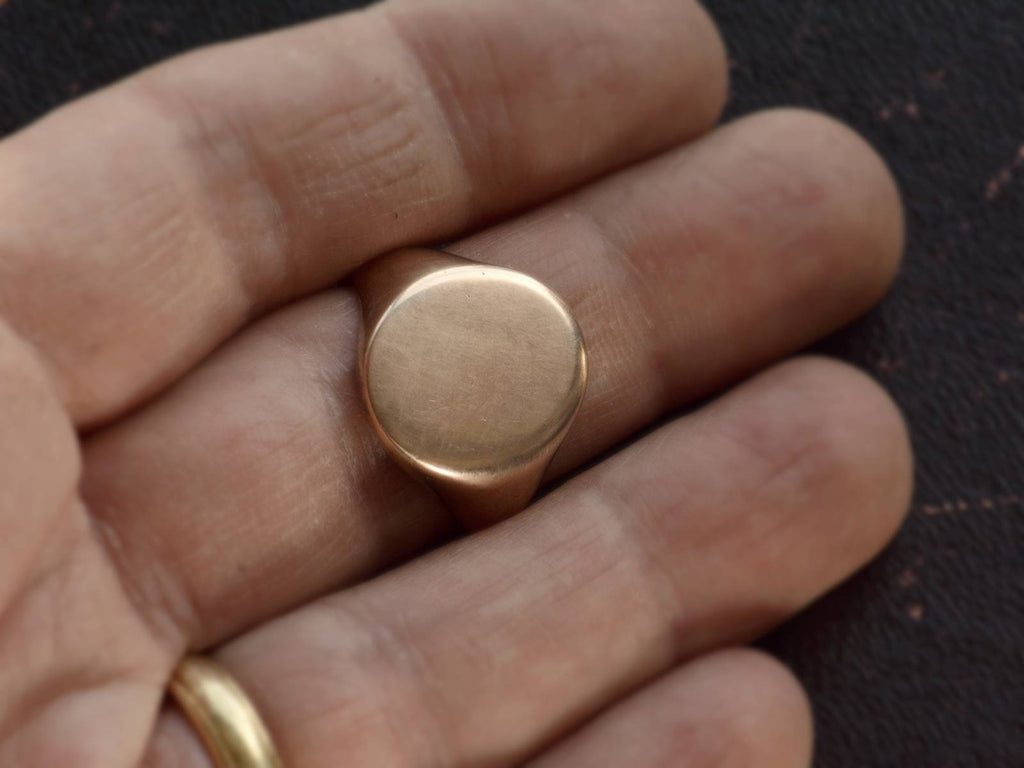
(185, 463)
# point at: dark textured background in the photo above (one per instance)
(920, 660)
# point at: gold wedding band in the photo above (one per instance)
(222, 715)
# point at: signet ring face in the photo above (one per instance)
(472, 375)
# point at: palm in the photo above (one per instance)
(231, 493)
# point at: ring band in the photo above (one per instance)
(222, 715)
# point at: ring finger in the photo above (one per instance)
(705, 533)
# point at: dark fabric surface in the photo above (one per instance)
(919, 661)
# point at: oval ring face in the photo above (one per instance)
(474, 370)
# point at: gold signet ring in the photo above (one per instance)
(471, 374)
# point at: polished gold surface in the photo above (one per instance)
(472, 375)
(222, 715)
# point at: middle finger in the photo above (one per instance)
(257, 483)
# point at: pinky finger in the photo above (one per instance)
(729, 708)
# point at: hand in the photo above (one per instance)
(185, 460)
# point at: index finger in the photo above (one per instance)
(145, 224)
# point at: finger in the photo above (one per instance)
(39, 464)
(175, 744)
(735, 707)
(161, 214)
(683, 274)
(705, 533)
(73, 656)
